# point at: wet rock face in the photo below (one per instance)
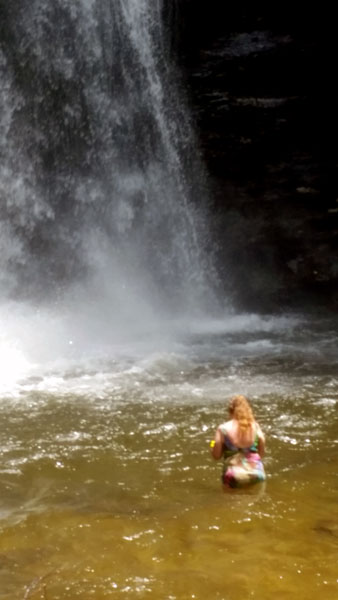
(262, 89)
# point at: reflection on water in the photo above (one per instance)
(108, 488)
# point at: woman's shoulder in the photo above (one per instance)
(224, 427)
(259, 430)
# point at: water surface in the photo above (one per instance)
(108, 488)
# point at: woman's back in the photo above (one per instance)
(237, 437)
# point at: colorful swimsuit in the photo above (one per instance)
(243, 466)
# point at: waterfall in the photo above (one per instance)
(100, 178)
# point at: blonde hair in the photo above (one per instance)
(240, 409)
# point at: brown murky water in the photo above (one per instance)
(107, 488)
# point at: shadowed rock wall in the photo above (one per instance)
(261, 84)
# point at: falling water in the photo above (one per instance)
(99, 175)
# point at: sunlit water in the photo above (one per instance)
(108, 488)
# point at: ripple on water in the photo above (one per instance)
(107, 484)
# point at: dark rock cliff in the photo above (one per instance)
(261, 84)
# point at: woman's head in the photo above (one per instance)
(241, 411)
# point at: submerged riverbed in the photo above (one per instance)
(108, 488)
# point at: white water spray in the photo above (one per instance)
(99, 173)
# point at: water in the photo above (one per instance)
(115, 365)
(108, 488)
(99, 165)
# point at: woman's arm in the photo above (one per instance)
(217, 447)
(261, 442)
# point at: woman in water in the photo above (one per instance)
(241, 442)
